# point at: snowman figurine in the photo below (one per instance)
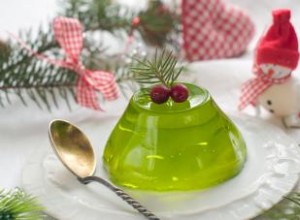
(273, 87)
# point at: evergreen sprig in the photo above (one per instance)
(157, 27)
(162, 69)
(295, 198)
(99, 14)
(158, 24)
(17, 205)
(287, 209)
(25, 76)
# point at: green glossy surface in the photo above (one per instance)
(186, 146)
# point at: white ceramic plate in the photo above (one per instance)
(271, 171)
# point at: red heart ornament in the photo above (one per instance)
(213, 29)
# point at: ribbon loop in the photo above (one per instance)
(68, 33)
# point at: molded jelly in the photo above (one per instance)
(174, 146)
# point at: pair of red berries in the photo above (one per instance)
(160, 93)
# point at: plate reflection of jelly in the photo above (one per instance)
(174, 146)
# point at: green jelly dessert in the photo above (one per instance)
(174, 146)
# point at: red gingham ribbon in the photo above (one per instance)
(68, 33)
(253, 88)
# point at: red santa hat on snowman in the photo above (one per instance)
(278, 46)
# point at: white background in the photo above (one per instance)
(20, 14)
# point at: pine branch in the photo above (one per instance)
(288, 209)
(161, 70)
(5, 50)
(15, 204)
(158, 25)
(27, 77)
(295, 198)
(99, 14)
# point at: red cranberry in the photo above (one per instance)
(179, 93)
(160, 94)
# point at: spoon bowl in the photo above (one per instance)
(75, 151)
(73, 148)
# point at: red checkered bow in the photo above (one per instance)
(68, 33)
(253, 88)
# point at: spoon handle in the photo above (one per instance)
(127, 198)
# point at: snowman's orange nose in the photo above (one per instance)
(270, 72)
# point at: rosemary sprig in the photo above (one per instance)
(16, 204)
(162, 69)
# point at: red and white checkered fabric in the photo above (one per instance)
(253, 88)
(68, 33)
(213, 29)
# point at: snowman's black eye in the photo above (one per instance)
(269, 102)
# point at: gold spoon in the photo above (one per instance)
(76, 153)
